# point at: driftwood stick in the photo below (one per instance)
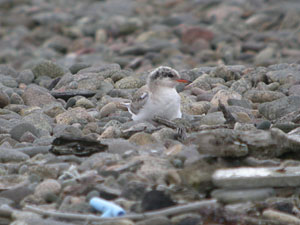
(164, 212)
(165, 122)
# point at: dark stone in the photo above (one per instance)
(154, 200)
(264, 125)
(4, 99)
(65, 95)
(70, 103)
(77, 67)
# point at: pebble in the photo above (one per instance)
(156, 220)
(207, 142)
(128, 83)
(142, 139)
(11, 155)
(74, 115)
(48, 68)
(25, 77)
(215, 118)
(84, 103)
(4, 99)
(223, 96)
(263, 96)
(47, 187)
(17, 131)
(108, 109)
(37, 96)
(197, 108)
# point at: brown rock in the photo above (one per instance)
(142, 139)
(108, 109)
(37, 96)
(198, 108)
(242, 117)
(223, 96)
(74, 115)
(48, 186)
(191, 34)
(110, 132)
(263, 96)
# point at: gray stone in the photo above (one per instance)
(25, 77)
(242, 103)
(187, 218)
(294, 90)
(53, 109)
(248, 177)
(11, 155)
(8, 71)
(265, 56)
(106, 70)
(16, 99)
(58, 43)
(51, 18)
(28, 137)
(263, 96)
(241, 86)
(39, 120)
(39, 221)
(129, 82)
(48, 68)
(164, 134)
(225, 73)
(215, 118)
(288, 75)
(280, 107)
(85, 103)
(8, 81)
(86, 81)
(155, 220)
(125, 26)
(208, 142)
(18, 130)
(242, 195)
(75, 68)
(17, 193)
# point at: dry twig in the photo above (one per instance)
(164, 212)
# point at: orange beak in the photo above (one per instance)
(183, 81)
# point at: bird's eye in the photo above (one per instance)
(170, 75)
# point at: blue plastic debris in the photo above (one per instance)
(107, 208)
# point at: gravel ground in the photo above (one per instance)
(67, 66)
